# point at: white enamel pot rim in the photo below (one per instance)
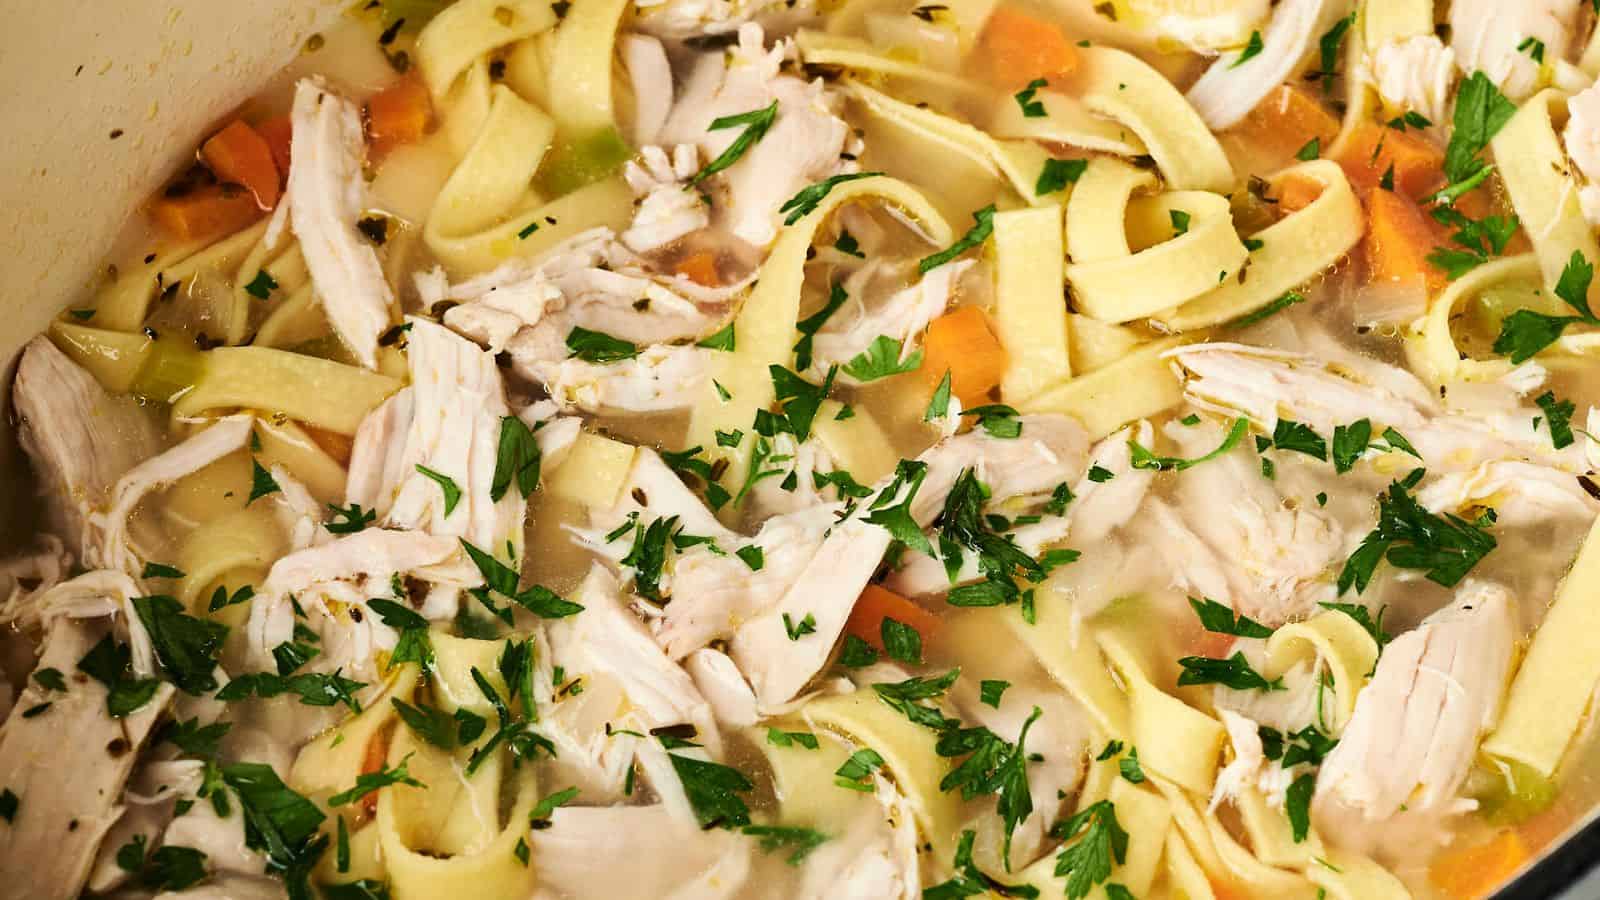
(73, 73)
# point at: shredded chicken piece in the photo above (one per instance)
(1204, 27)
(325, 199)
(802, 146)
(1488, 36)
(665, 857)
(1415, 74)
(902, 316)
(1407, 749)
(667, 210)
(1582, 137)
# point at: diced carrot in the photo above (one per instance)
(1398, 240)
(1296, 192)
(700, 267)
(962, 343)
(279, 133)
(1019, 47)
(332, 443)
(1289, 118)
(1226, 890)
(206, 212)
(877, 603)
(398, 114)
(1470, 873)
(377, 753)
(1373, 148)
(240, 155)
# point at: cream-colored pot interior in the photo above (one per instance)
(102, 99)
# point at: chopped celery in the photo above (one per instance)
(416, 13)
(573, 163)
(172, 369)
(1509, 793)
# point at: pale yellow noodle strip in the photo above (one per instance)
(598, 468)
(1030, 309)
(1258, 879)
(287, 268)
(318, 392)
(1271, 836)
(1343, 645)
(297, 319)
(858, 444)
(461, 813)
(1076, 665)
(908, 754)
(123, 304)
(247, 539)
(580, 68)
(1137, 386)
(1440, 360)
(1019, 163)
(285, 443)
(1119, 85)
(331, 762)
(821, 48)
(1293, 251)
(765, 328)
(1099, 206)
(1065, 122)
(1351, 876)
(492, 179)
(528, 68)
(112, 357)
(1093, 344)
(1589, 61)
(1552, 690)
(468, 29)
(802, 780)
(1543, 190)
(1184, 873)
(1360, 98)
(1175, 740)
(493, 871)
(1170, 272)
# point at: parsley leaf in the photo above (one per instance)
(776, 837)
(997, 419)
(1031, 108)
(881, 359)
(1408, 536)
(902, 642)
(261, 286)
(1290, 435)
(990, 691)
(1481, 111)
(1251, 50)
(1234, 672)
(1095, 839)
(1219, 619)
(1311, 150)
(516, 459)
(1297, 799)
(159, 570)
(939, 403)
(797, 630)
(810, 325)
(1289, 299)
(854, 773)
(1057, 174)
(723, 339)
(367, 782)
(261, 482)
(348, 521)
(596, 347)
(1349, 442)
(447, 485)
(713, 789)
(186, 646)
(1558, 416)
(857, 653)
(1142, 458)
(756, 122)
(975, 236)
(806, 201)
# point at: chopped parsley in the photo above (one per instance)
(939, 403)
(756, 123)
(990, 691)
(1481, 111)
(902, 642)
(186, 646)
(1057, 174)
(779, 738)
(810, 325)
(883, 358)
(983, 226)
(723, 339)
(261, 482)
(1300, 438)
(1129, 767)
(1349, 442)
(805, 202)
(1219, 619)
(1094, 841)
(159, 570)
(1234, 672)
(778, 837)
(447, 485)
(797, 630)
(516, 460)
(855, 773)
(1251, 50)
(1311, 150)
(857, 653)
(1290, 298)
(598, 347)
(1408, 536)
(1142, 458)
(1558, 418)
(1180, 222)
(713, 790)
(367, 782)
(997, 419)
(1525, 332)
(1031, 108)
(349, 521)
(261, 286)
(1297, 802)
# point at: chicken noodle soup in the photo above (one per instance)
(863, 449)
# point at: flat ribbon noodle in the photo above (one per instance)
(1341, 643)
(467, 30)
(764, 331)
(1137, 386)
(1293, 251)
(1029, 313)
(1439, 358)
